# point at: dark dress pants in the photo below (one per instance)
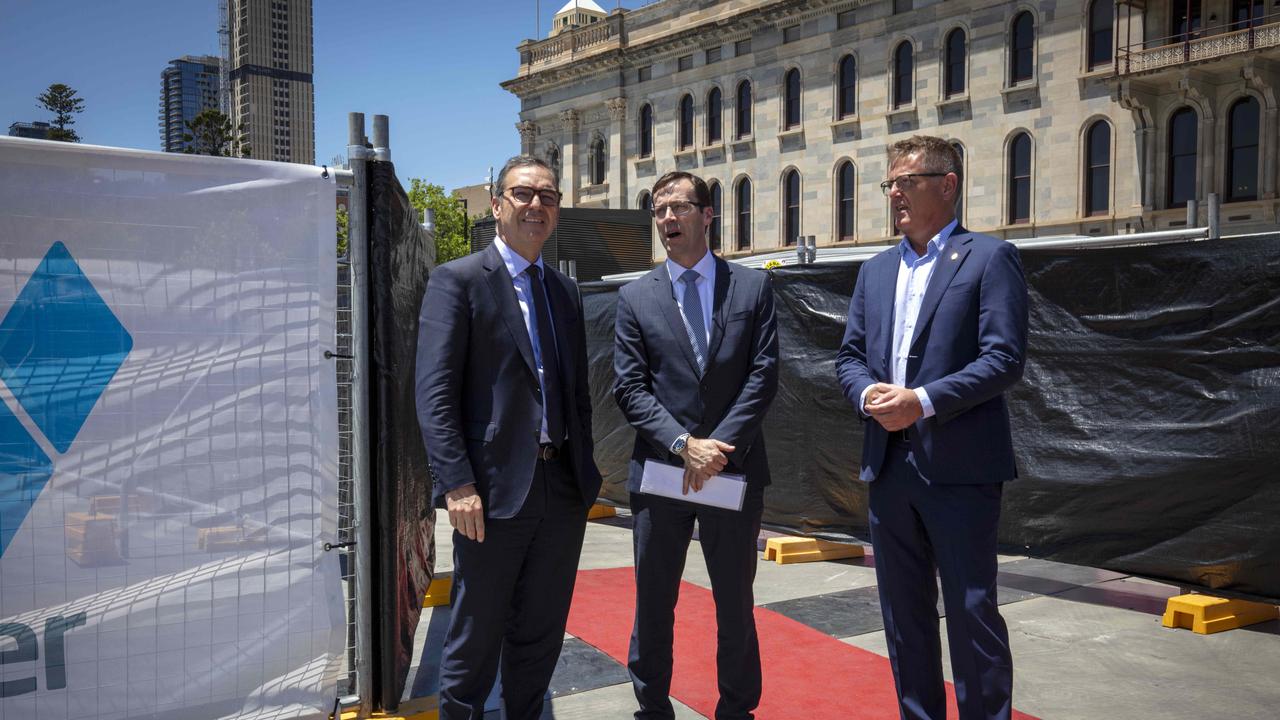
(510, 600)
(917, 530)
(663, 529)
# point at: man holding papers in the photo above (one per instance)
(696, 358)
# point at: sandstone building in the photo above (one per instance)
(1073, 116)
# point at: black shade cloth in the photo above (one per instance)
(403, 517)
(1146, 425)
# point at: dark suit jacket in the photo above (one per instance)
(658, 387)
(969, 347)
(478, 396)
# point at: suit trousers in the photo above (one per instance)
(663, 529)
(918, 530)
(510, 600)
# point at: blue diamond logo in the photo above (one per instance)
(24, 470)
(60, 345)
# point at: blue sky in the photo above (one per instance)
(433, 66)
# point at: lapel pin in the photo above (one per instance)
(955, 256)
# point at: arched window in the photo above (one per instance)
(646, 130)
(791, 207)
(1097, 169)
(955, 62)
(599, 160)
(1022, 46)
(743, 126)
(1242, 150)
(960, 190)
(903, 76)
(1101, 20)
(847, 96)
(743, 224)
(845, 189)
(713, 116)
(1246, 13)
(791, 109)
(716, 212)
(686, 122)
(646, 201)
(1182, 158)
(1019, 174)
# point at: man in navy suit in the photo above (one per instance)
(696, 358)
(506, 418)
(937, 331)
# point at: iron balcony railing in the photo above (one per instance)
(1199, 45)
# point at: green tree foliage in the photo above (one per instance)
(342, 231)
(453, 229)
(210, 133)
(61, 100)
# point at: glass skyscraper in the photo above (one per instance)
(187, 86)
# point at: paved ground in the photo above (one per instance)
(1087, 644)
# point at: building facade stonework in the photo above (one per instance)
(1073, 117)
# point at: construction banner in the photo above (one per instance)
(168, 436)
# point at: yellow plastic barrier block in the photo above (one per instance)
(598, 511)
(426, 708)
(786, 550)
(1206, 614)
(438, 591)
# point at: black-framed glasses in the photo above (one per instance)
(906, 181)
(679, 208)
(525, 195)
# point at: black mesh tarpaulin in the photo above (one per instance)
(1147, 424)
(403, 518)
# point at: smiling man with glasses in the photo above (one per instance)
(505, 414)
(696, 359)
(937, 332)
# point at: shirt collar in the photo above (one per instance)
(936, 244)
(515, 263)
(706, 267)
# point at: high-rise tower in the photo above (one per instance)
(188, 85)
(272, 95)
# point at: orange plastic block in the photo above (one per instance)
(598, 511)
(438, 591)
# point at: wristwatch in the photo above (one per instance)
(679, 445)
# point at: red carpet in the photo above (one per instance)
(808, 675)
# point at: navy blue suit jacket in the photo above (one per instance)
(969, 347)
(478, 397)
(657, 384)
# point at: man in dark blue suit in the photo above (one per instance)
(696, 358)
(506, 418)
(937, 331)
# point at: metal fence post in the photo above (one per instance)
(358, 244)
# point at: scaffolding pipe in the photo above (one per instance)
(1214, 225)
(381, 138)
(358, 243)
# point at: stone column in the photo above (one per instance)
(569, 180)
(528, 136)
(617, 152)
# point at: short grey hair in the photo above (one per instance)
(520, 161)
(938, 155)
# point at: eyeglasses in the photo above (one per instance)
(679, 208)
(906, 181)
(525, 195)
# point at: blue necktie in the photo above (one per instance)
(553, 401)
(693, 322)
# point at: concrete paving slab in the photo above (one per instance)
(615, 701)
(1077, 661)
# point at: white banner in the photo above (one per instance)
(168, 436)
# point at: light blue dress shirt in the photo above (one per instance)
(914, 272)
(516, 266)
(705, 285)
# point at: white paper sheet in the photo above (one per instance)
(723, 491)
